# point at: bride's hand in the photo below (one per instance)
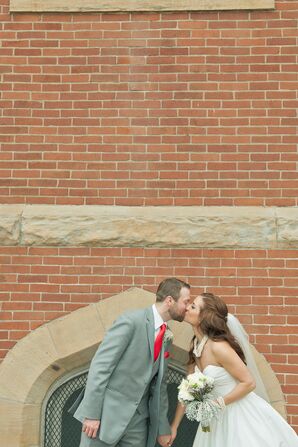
(174, 433)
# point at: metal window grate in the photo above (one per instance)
(62, 430)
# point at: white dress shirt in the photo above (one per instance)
(158, 321)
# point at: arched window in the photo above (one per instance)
(60, 429)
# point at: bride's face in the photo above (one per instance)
(193, 310)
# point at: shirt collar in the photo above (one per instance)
(158, 321)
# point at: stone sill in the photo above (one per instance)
(164, 227)
(136, 5)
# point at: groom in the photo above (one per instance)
(125, 402)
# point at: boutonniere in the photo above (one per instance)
(168, 336)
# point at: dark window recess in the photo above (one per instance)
(62, 430)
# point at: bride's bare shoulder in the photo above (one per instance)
(220, 347)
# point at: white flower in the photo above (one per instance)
(184, 394)
(196, 378)
(209, 381)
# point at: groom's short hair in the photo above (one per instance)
(170, 287)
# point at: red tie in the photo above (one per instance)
(158, 341)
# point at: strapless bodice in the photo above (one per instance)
(223, 381)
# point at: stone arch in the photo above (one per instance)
(66, 344)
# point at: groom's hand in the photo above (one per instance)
(164, 440)
(90, 427)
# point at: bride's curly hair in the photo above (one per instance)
(213, 323)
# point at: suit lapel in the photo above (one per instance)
(162, 354)
(150, 329)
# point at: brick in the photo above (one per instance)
(13, 305)
(205, 101)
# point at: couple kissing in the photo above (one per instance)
(125, 402)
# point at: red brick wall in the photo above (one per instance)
(149, 108)
(39, 284)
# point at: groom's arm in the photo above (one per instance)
(103, 364)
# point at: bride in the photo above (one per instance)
(220, 349)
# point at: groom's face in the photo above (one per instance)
(178, 308)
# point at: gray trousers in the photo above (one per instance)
(134, 436)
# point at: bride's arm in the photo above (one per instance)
(232, 363)
(180, 409)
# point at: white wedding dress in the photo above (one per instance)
(248, 422)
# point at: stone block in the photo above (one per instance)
(10, 224)
(32, 365)
(19, 424)
(76, 336)
(130, 299)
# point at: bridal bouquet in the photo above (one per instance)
(195, 395)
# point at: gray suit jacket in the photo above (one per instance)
(119, 374)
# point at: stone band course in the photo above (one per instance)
(164, 227)
(134, 5)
